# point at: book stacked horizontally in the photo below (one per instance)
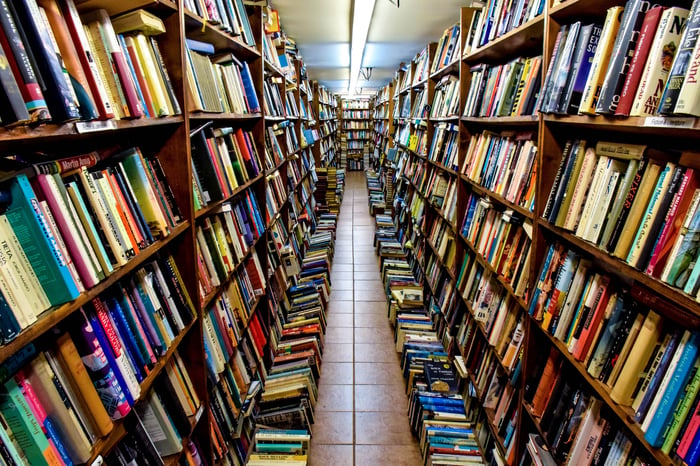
(274, 446)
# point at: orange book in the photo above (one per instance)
(547, 382)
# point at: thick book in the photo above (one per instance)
(659, 61)
(57, 91)
(12, 107)
(622, 52)
(681, 61)
(687, 102)
(580, 66)
(639, 59)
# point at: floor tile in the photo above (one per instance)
(341, 295)
(388, 398)
(367, 268)
(373, 373)
(340, 307)
(372, 294)
(377, 428)
(336, 373)
(335, 398)
(342, 259)
(337, 352)
(340, 320)
(401, 455)
(333, 427)
(341, 275)
(342, 284)
(324, 455)
(378, 334)
(376, 352)
(339, 334)
(372, 307)
(371, 320)
(342, 267)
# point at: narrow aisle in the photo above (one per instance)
(361, 411)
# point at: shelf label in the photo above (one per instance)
(91, 126)
(670, 122)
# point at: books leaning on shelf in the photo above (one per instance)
(510, 89)
(642, 207)
(493, 21)
(228, 15)
(638, 63)
(115, 70)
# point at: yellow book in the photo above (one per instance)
(639, 355)
(600, 60)
(154, 78)
(634, 218)
(138, 20)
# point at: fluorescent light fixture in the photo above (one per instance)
(361, 19)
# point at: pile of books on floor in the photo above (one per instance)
(377, 202)
(438, 407)
(340, 179)
(276, 446)
(297, 336)
(326, 189)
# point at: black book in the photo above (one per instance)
(12, 107)
(621, 59)
(605, 444)
(201, 158)
(563, 71)
(565, 438)
(629, 200)
(552, 199)
(137, 444)
(583, 44)
(37, 39)
(631, 310)
(552, 418)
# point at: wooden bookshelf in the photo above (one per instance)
(168, 140)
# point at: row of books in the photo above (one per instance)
(116, 70)
(223, 160)
(355, 104)
(511, 89)
(446, 98)
(220, 84)
(273, 102)
(444, 146)
(224, 240)
(62, 236)
(228, 15)
(422, 67)
(640, 64)
(644, 211)
(420, 108)
(494, 20)
(123, 333)
(447, 50)
(356, 124)
(505, 164)
(275, 195)
(274, 445)
(501, 237)
(356, 114)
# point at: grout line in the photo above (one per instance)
(354, 413)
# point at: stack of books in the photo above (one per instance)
(377, 201)
(326, 189)
(276, 446)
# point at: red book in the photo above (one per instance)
(547, 382)
(639, 60)
(585, 340)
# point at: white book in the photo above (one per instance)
(593, 194)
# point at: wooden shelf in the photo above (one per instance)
(50, 133)
(522, 41)
(225, 116)
(52, 317)
(206, 210)
(497, 197)
(525, 120)
(675, 127)
(451, 68)
(160, 7)
(574, 10)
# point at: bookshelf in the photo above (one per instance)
(539, 140)
(268, 192)
(356, 132)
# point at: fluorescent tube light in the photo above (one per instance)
(361, 19)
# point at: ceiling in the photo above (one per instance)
(322, 31)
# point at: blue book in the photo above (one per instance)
(128, 345)
(249, 88)
(543, 275)
(658, 375)
(201, 47)
(9, 328)
(674, 390)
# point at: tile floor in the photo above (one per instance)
(361, 412)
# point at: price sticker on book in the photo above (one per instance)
(670, 122)
(92, 126)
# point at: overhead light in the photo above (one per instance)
(361, 19)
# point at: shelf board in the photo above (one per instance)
(206, 210)
(51, 132)
(581, 9)
(497, 197)
(116, 8)
(51, 317)
(450, 68)
(524, 120)
(511, 44)
(225, 116)
(445, 119)
(680, 127)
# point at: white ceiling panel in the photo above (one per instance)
(322, 28)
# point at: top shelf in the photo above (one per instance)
(522, 41)
(197, 28)
(116, 8)
(578, 9)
